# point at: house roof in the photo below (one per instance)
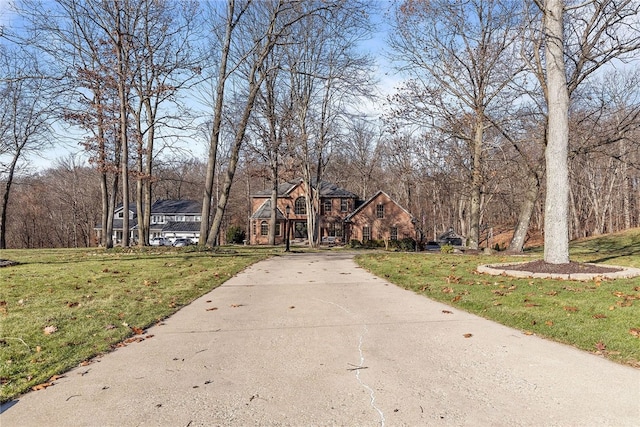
(372, 198)
(264, 211)
(326, 189)
(182, 227)
(176, 207)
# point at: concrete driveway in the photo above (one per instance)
(313, 340)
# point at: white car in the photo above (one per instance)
(160, 241)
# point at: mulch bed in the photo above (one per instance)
(569, 268)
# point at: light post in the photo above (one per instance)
(287, 211)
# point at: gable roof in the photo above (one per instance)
(264, 211)
(325, 188)
(371, 199)
(177, 207)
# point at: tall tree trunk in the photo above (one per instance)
(254, 86)
(476, 183)
(526, 212)
(5, 200)
(214, 137)
(274, 205)
(123, 131)
(556, 219)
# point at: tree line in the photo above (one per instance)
(507, 114)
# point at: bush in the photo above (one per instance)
(446, 249)
(236, 234)
(354, 243)
(407, 244)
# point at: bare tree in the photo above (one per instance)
(163, 54)
(461, 57)
(597, 32)
(25, 113)
(326, 75)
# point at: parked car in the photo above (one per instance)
(160, 241)
(182, 242)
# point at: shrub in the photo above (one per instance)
(236, 234)
(446, 249)
(407, 244)
(354, 243)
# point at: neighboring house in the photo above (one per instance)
(380, 218)
(171, 219)
(450, 237)
(342, 215)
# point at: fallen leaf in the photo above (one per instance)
(447, 290)
(41, 386)
(635, 332)
(447, 312)
(599, 316)
(212, 308)
(467, 335)
(549, 323)
(528, 332)
(136, 330)
(456, 298)
(292, 307)
(570, 308)
(236, 305)
(601, 346)
(50, 330)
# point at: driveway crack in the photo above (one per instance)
(361, 365)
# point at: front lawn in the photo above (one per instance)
(596, 316)
(61, 307)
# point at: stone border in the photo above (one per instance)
(495, 270)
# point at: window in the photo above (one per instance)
(254, 228)
(277, 229)
(327, 206)
(300, 206)
(366, 233)
(394, 233)
(380, 211)
(264, 228)
(344, 205)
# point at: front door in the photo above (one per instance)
(300, 230)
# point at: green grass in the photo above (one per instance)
(94, 299)
(596, 316)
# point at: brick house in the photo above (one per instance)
(341, 215)
(379, 218)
